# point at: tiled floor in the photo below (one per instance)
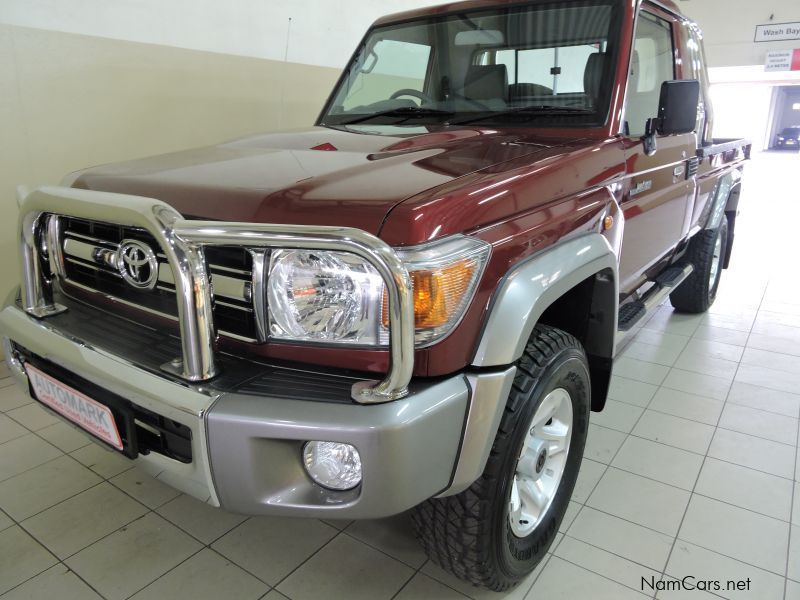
(691, 470)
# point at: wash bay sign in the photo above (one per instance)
(778, 32)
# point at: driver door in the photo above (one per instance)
(658, 192)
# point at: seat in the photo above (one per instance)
(487, 84)
(593, 76)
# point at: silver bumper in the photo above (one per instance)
(246, 450)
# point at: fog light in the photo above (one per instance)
(333, 465)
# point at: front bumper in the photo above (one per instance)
(247, 448)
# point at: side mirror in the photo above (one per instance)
(677, 111)
(677, 107)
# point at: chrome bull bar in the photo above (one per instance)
(182, 242)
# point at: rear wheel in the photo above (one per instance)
(707, 254)
(495, 533)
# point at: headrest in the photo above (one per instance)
(593, 75)
(486, 82)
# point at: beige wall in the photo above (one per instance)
(729, 27)
(68, 101)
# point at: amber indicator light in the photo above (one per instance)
(438, 293)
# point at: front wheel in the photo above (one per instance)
(707, 254)
(495, 533)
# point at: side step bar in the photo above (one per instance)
(631, 313)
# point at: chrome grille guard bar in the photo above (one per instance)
(182, 242)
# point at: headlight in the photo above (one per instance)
(323, 297)
(780, 139)
(337, 298)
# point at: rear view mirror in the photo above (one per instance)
(677, 107)
(480, 37)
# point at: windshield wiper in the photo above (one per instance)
(527, 111)
(406, 112)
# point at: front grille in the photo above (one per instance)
(229, 269)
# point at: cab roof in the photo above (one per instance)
(469, 5)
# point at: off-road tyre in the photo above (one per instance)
(469, 534)
(698, 292)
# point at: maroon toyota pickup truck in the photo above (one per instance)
(414, 304)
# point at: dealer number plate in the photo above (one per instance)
(78, 408)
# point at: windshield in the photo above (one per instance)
(544, 64)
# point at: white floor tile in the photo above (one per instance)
(756, 453)
(631, 391)
(687, 406)
(65, 437)
(780, 341)
(144, 488)
(660, 355)
(103, 461)
(272, 547)
(771, 360)
(746, 488)
(738, 533)
(721, 335)
(331, 572)
(634, 542)
(688, 560)
(604, 563)
(674, 431)
(85, 518)
(768, 378)
(699, 347)
(602, 443)
(198, 519)
(131, 558)
(699, 363)
(640, 370)
(783, 403)
(639, 500)
(660, 462)
(56, 582)
(44, 486)
(566, 580)
(21, 557)
(394, 536)
(792, 590)
(12, 397)
(588, 476)
(794, 555)
(422, 587)
(33, 416)
(759, 423)
(698, 383)
(573, 509)
(10, 429)
(617, 415)
(205, 576)
(662, 338)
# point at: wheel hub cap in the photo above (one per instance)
(541, 463)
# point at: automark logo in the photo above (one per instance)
(138, 265)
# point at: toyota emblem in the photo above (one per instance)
(138, 265)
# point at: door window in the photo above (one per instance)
(652, 64)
